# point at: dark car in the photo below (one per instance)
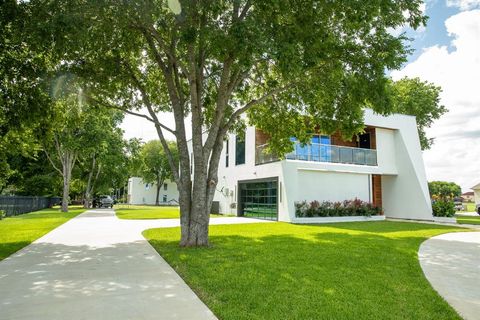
(103, 201)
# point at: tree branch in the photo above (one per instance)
(253, 103)
(51, 162)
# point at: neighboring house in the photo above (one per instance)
(468, 196)
(476, 193)
(140, 192)
(384, 166)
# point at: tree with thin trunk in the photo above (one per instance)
(66, 144)
(103, 151)
(289, 65)
(155, 167)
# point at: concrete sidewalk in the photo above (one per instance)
(451, 262)
(96, 266)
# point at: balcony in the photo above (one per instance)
(317, 152)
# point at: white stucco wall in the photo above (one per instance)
(404, 184)
(141, 193)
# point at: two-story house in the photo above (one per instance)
(384, 166)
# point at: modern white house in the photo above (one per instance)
(140, 192)
(383, 166)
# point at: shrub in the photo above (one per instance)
(355, 207)
(2, 214)
(443, 208)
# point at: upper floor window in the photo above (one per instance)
(227, 153)
(239, 150)
(165, 186)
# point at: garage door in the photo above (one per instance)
(258, 199)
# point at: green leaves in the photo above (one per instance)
(420, 99)
(154, 162)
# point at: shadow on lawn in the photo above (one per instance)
(316, 274)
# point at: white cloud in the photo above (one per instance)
(464, 4)
(455, 155)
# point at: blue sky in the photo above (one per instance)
(447, 53)
(435, 33)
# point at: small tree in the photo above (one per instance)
(444, 190)
(443, 194)
(155, 167)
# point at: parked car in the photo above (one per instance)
(103, 201)
(478, 209)
(458, 204)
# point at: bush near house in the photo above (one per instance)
(443, 208)
(355, 207)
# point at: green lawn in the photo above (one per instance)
(18, 232)
(471, 207)
(285, 271)
(147, 212)
(150, 212)
(468, 219)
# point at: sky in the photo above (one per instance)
(446, 53)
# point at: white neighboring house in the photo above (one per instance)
(384, 166)
(140, 192)
(476, 191)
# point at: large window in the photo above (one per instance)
(239, 150)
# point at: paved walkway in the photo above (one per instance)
(451, 262)
(96, 266)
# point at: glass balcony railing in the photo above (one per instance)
(322, 153)
(263, 156)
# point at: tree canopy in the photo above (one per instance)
(420, 99)
(154, 164)
(443, 190)
(280, 61)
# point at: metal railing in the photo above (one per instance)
(322, 153)
(15, 205)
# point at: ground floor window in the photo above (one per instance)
(258, 199)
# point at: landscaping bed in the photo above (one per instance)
(284, 271)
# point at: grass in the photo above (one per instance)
(285, 271)
(147, 212)
(19, 231)
(471, 207)
(468, 219)
(150, 212)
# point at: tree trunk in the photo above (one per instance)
(88, 189)
(66, 192)
(157, 202)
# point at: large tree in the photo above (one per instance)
(420, 99)
(287, 63)
(155, 167)
(24, 100)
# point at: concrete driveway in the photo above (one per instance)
(451, 262)
(96, 266)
